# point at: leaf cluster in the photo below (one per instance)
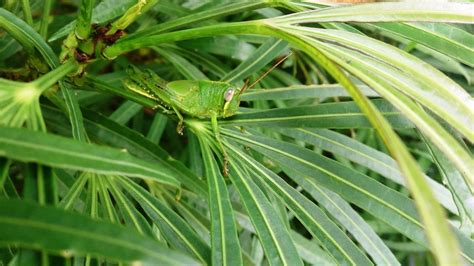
(356, 150)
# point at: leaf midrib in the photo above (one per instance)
(302, 209)
(87, 156)
(77, 232)
(330, 174)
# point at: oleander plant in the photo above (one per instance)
(264, 132)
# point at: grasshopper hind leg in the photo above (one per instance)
(217, 134)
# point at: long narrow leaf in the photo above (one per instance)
(365, 155)
(32, 42)
(329, 115)
(25, 145)
(380, 12)
(27, 36)
(381, 77)
(425, 84)
(221, 10)
(104, 130)
(224, 240)
(69, 234)
(103, 12)
(332, 238)
(383, 202)
(349, 219)
(302, 92)
(440, 236)
(261, 57)
(447, 39)
(274, 237)
(169, 220)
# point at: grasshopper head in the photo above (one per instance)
(232, 99)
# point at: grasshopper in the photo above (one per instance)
(202, 99)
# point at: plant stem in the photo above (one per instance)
(4, 167)
(131, 15)
(45, 18)
(208, 31)
(220, 11)
(83, 26)
(49, 79)
(40, 185)
(25, 5)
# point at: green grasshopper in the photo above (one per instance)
(202, 99)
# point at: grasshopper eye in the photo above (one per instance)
(229, 94)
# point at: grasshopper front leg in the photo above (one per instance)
(180, 126)
(217, 134)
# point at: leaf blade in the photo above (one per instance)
(25, 145)
(225, 243)
(69, 233)
(319, 225)
(274, 237)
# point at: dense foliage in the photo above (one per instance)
(356, 149)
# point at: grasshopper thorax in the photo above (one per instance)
(206, 98)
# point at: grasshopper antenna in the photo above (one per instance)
(264, 74)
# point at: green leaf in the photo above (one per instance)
(103, 86)
(302, 92)
(130, 214)
(157, 127)
(310, 250)
(310, 215)
(228, 46)
(187, 69)
(195, 218)
(27, 37)
(349, 219)
(31, 42)
(196, 17)
(83, 26)
(381, 77)
(303, 194)
(125, 112)
(447, 39)
(167, 219)
(380, 12)
(9, 47)
(205, 61)
(25, 5)
(47, 6)
(273, 235)
(342, 145)
(442, 242)
(145, 41)
(462, 195)
(74, 112)
(28, 146)
(104, 130)
(224, 240)
(131, 15)
(328, 115)
(419, 80)
(103, 12)
(257, 60)
(383, 202)
(27, 224)
(4, 169)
